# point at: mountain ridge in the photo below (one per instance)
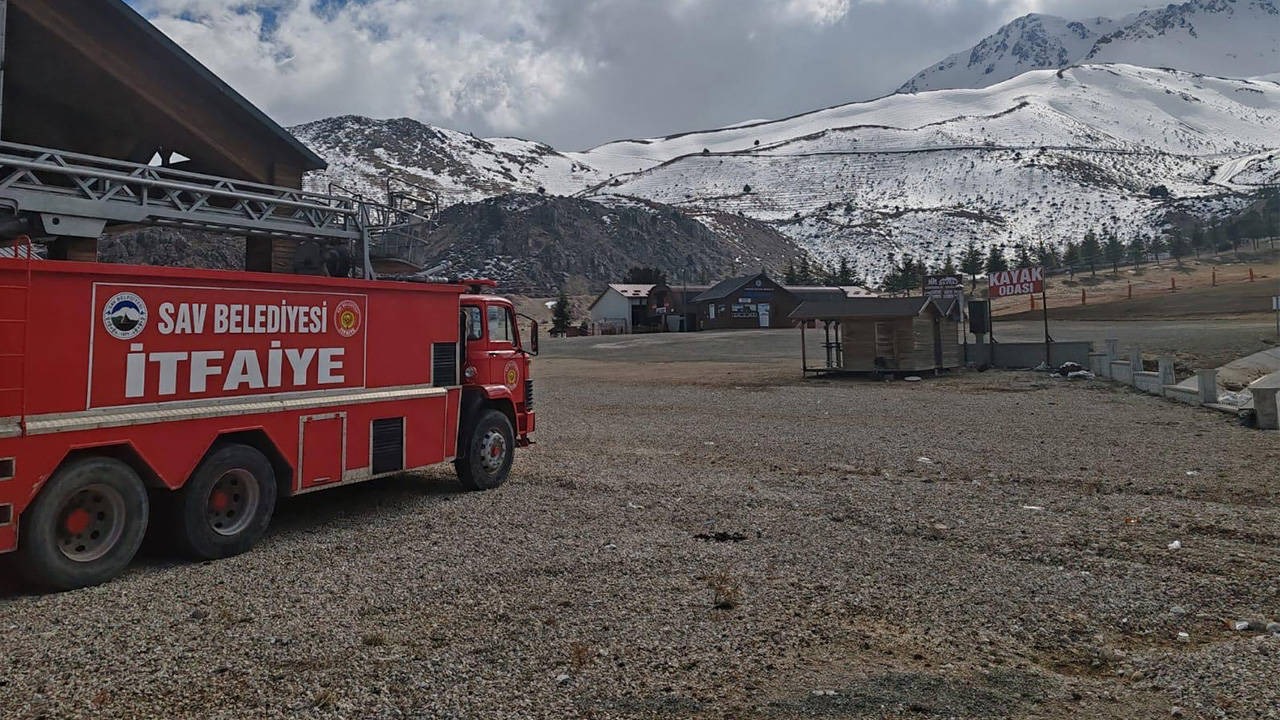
(996, 165)
(1205, 36)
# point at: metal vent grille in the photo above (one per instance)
(528, 394)
(387, 440)
(444, 364)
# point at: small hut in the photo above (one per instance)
(883, 335)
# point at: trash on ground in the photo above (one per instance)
(1069, 367)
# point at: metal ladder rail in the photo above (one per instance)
(51, 182)
(21, 246)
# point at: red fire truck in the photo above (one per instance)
(189, 401)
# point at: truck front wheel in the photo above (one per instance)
(227, 504)
(490, 449)
(85, 526)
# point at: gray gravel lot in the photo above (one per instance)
(701, 534)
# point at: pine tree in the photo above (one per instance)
(1023, 256)
(560, 315)
(1090, 251)
(804, 274)
(790, 277)
(844, 275)
(1178, 248)
(1047, 256)
(1137, 249)
(948, 267)
(1198, 240)
(1071, 255)
(1156, 246)
(971, 262)
(1114, 251)
(996, 261)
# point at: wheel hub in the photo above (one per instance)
(493, 451)
(93, 521)
(233, 502)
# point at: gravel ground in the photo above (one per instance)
(723, 540)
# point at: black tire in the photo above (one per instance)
(225, 507)
(488, 452)
(85, 526)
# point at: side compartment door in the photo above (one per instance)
(322, 449)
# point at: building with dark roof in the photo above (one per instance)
(883, 335)
(757, 301)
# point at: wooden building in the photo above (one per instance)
(882, 335)
(94, 77)
(755, 301)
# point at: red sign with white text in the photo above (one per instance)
(157, 343)
(1024, 281)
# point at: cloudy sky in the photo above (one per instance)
(576, 73)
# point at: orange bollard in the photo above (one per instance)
(1215, 277)
(1083, 298)
(1250, 274)
(1173, 284)
(1130, 291)
(1033, 301)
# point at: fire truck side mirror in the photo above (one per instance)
(533, 337)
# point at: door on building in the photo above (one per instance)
(937, 342)
(763, 311)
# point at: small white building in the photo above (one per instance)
(615, 310)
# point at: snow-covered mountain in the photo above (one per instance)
(1229, 38)
(1046, 156)
(1043, 157)
(364, 153)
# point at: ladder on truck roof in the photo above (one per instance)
(78, 195)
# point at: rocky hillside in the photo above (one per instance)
(168, 247)
(536, 243)
(1230, 38)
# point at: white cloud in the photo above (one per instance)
(576, 72)
(822, 12)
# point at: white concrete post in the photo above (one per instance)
(1113, 349)
(1264, 405)
(1167, 376)
(1208, 383)
(1135, 364)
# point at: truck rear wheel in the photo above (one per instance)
(490, 450)
(225, 507)
(85, 526)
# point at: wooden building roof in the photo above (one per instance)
(95, 77)
(870, 307)
(727, 287)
